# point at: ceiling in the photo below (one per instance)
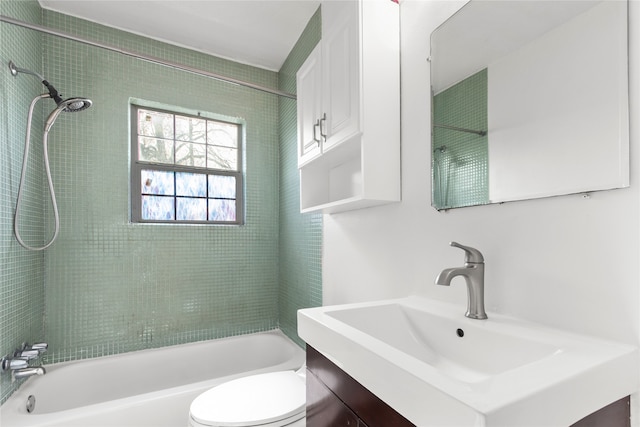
(255, 32)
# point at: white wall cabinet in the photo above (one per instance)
(349, 109)
(309, 86)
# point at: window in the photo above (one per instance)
(184, 168)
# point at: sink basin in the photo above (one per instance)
(470, 352)
(437, 367)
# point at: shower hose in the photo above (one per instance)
(45, 143)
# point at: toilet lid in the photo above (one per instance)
(252, 400)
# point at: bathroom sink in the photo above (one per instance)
(470, 352)
(437, 367)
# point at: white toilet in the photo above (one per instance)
(274, 399)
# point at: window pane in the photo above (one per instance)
(225, 134)
(191, 129)
(155, 123)
(157, 182)
(189, 154)
(189, 168)
(222, 210)
(222, 158)
(155, 150)
(191, 184)
(223, 187)
(157, 208)
(191, 209)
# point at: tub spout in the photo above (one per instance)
(29, 372)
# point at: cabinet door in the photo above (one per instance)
(324, 409)
(309, 94)
(340, 71)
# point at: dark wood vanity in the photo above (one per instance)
(334, 399)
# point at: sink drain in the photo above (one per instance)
(460, 332)
(31, 403)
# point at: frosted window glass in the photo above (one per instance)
(191, 184)
(157, 182)
(223, 187)
(222, 210)
(189, 209)
(158, 208)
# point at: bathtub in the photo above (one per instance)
(151, 388)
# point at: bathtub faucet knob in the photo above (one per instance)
(26, 354)
(13, 364)
(41, 347)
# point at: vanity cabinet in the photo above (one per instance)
(348, 93)
(335, 399)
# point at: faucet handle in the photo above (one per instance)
(41, 347)
(472, 255)
(26, 354)
(9, 363)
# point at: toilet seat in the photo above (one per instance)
(274, 399)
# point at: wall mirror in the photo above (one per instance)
(529, 100)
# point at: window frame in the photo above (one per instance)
(137, 166)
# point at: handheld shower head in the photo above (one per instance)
(73, 105)
(70, 105)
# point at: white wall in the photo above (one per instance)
(567, 261)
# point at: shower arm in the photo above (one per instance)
(15, 70)
(52, 90)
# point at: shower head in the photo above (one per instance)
(70, 105)
(73, 105)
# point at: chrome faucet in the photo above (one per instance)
(18, 364)
(473, 273)
(28, 372)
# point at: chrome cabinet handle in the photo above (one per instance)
(317, 124)
(321, 121)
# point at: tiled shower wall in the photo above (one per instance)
(300, 234)
(112, 286)
(21, 272)
(460, 159)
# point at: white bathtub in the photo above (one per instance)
(151, 388)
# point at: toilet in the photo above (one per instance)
(274, 399)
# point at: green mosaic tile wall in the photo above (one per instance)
(460, 160)
(112, 286)
(21, 272)
(300, 234)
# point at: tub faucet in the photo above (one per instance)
(473, 273)
(13, 363)
(28, 372)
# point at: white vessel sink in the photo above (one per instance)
(437, 367)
